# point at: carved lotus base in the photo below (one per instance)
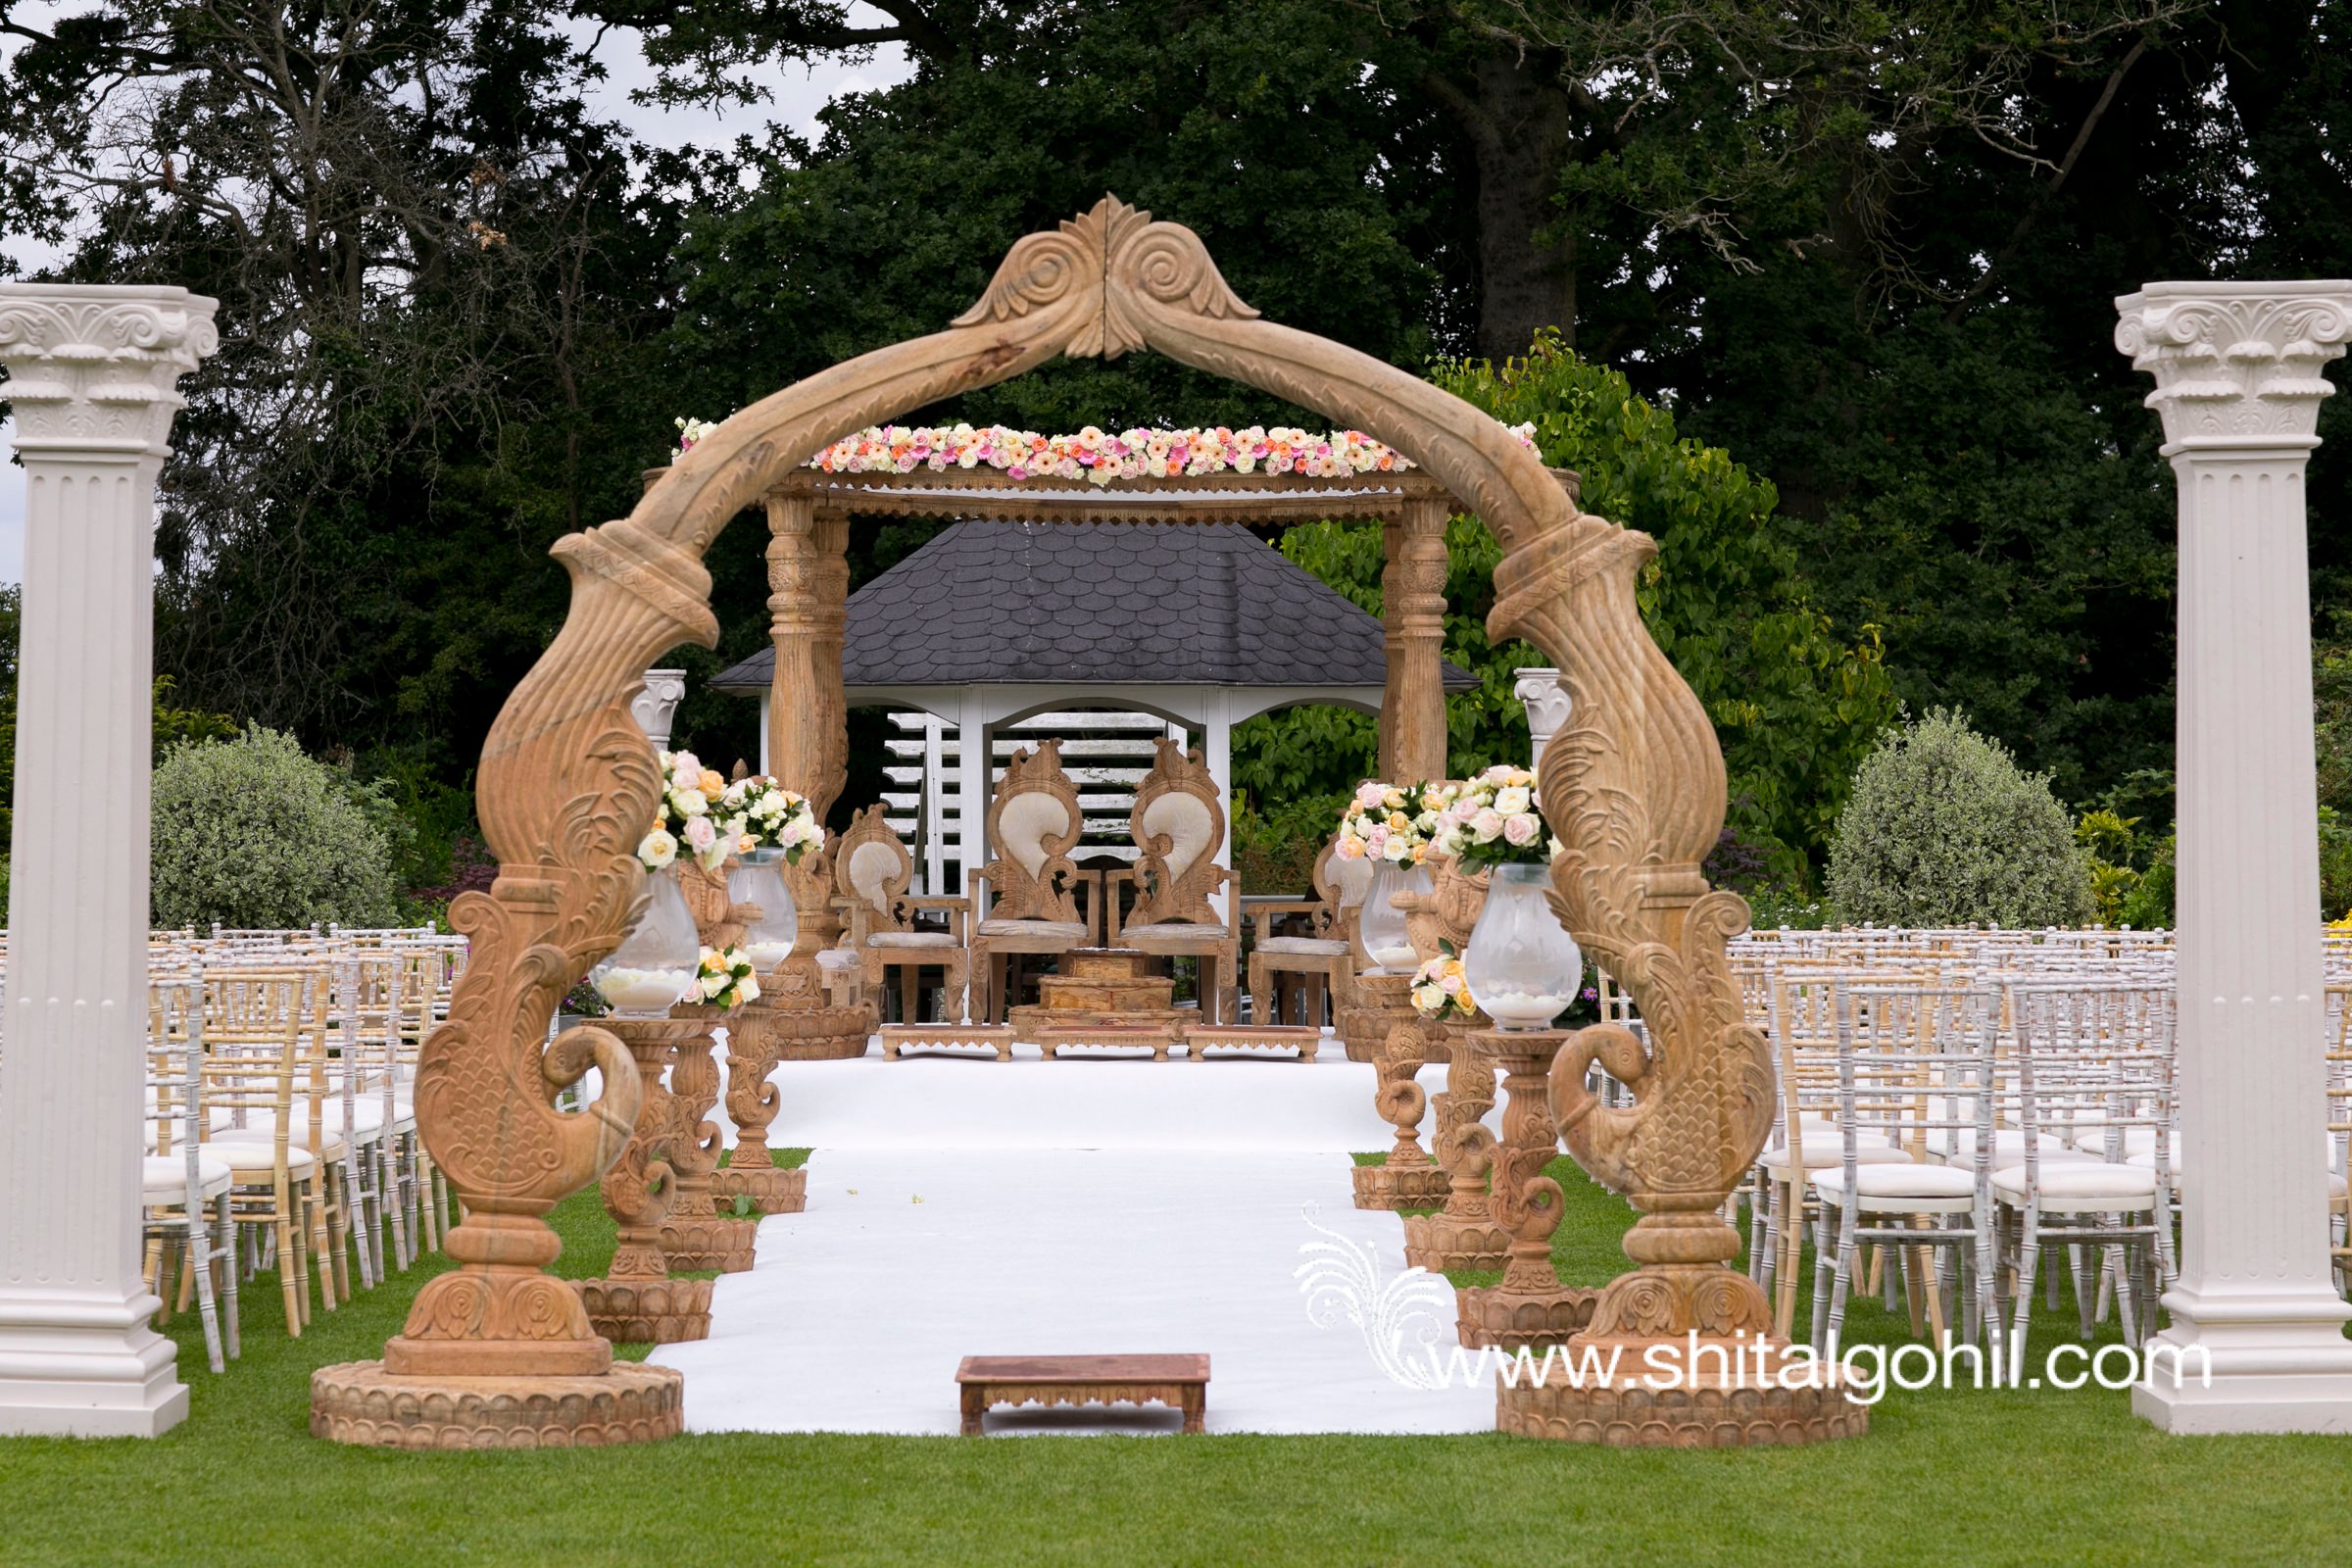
(1439, 1242)
(693, 1242)
(820, 1034)
(648, 1311)
(1724, 1413)
(775, 1191)
(1512, 1320)
(360, 1402)
(1395, 1188)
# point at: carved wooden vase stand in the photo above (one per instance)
(1410, 1179)
(752, 1103)
(1465, 1234)
(638, 1303)
(1531, 1308)
(694, 1235)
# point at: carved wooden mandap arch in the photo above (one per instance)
(497, 1351)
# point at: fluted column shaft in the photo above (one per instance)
(93, 375)
(2239, 379)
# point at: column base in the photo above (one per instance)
(772, 1191)
(1738, 1411)
(821, 1033)
(1515, 1320)
(360, 1402)
(699, 1241)
(107, 1376)
(2280, 1362)
(1395, 1188)
(1442, 1242)
(647, 1312)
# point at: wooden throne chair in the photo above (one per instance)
(1025, 900)
(1178, 825)
(888, 929)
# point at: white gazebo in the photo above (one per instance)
(1005, 629)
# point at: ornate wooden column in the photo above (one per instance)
(1531, 1308)
(692, 1235)
(808, 715)
(94, 373)
(637, 1302)
(2239, 382)
(1409, 1178)
(1412, 613)
(808, 751)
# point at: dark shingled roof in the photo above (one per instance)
(1200, 603)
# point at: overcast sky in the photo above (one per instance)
(799, 96)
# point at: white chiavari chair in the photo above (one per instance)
(184, 1192)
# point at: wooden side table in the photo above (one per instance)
(1180, 1382)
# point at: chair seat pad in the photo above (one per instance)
(252, 1161)
(2073, 1180)
(912, 939)
(1174, 931)
(1829, 1151)
(1309, 947)
(1884, 1180)
(836, 959)
(164, 1178)
(1061, 930)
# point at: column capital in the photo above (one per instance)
(2237, 366)
(655, 706)
(94, 369)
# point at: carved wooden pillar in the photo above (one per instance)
(808, 715)
(1412, 704)
(1465, 1234)
(1409, 1178)
(752, 1104)
(694, 1235)
(1531, 1308)
(637, 1302)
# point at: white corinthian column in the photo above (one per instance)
(2239, 382)
(91, 373)
(1538, 688)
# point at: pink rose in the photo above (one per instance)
(699, 834)
(1486, 825)
(1370, 795)
(1520, 829)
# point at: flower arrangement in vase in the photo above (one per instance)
(762, 815)
(684, 819)
(1492, 819)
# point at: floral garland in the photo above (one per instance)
(1492, 819)
(1391, 822)
(764, 815)
(725, 978)
(1441, 988)
(1099, 457)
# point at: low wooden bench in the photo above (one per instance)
(1180, 1382)
(901, 1038)
(1156, 1037)
(1252, 1040)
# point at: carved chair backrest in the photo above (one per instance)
(1033, 824)
(1178, 825)
(873, 867)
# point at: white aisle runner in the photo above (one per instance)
(909, 1258)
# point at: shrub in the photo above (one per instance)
(1944, 829)
(252, 832)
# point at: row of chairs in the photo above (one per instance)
(1954, 1106)
(281, 1126)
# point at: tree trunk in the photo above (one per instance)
(1521, 139)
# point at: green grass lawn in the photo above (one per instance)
(1943, 1478)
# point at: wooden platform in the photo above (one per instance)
(1179, 1381)
(901, 1038)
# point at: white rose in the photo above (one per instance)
(1396, 849)
(656, 850)
(1512, 801)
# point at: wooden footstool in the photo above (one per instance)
(1054, 1039)
(1180, 1382)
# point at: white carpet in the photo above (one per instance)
(981, 1208)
